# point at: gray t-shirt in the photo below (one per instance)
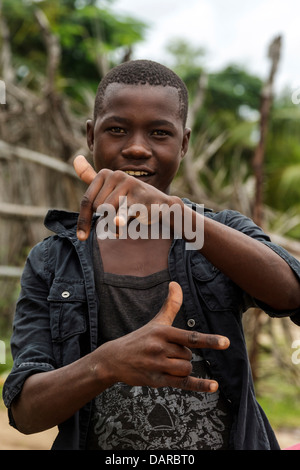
(145, 418)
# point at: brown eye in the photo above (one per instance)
(160, 133)
(117, 130)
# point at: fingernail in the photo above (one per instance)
(213, 387)
(223, 342)
(81, 234)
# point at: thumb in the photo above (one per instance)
(171, 306)
(83, 169)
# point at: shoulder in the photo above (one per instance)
(47, 255)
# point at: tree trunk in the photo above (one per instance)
(258, 169)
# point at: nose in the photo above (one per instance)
(136, 148)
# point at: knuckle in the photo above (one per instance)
(187, 368)
(156, 348)
(202, 385)
(85, 202)
(119, 174)
(105, 172)
(193, 337)
(156, 330)
(82, 222)
(185, 382)
(153, 346)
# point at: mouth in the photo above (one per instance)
(137, 173)
(142, 173)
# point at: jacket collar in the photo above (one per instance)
(63, 223)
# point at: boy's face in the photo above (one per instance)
(139, 130)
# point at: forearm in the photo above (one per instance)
(252, 265)
(49, 398)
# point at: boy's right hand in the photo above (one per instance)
(159, 355)
(110, 187)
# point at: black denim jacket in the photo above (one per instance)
(56, 321)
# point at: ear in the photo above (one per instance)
(185, 141)
(90, 134)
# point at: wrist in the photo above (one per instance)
(101, 368)
(174, 215)
(187, 223)
(175, 200)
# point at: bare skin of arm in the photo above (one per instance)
(155, 355)
(253, 266)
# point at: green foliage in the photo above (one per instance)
(232, 88)
(187, 62)
(280, 403)
(283, 156)
(88, 31)
(85, 31)
(232, 104)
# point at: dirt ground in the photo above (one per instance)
(10, 439)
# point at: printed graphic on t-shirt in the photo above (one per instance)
(144, 418)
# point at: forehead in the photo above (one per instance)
(159, 100)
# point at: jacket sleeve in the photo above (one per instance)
(31, 343)
(244, 224)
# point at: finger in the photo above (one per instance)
(179, 351)
(195, 339)
(121, 218)
(192, 384)
(86, 207)
(83, 169)
(141, 215)
(171, 306)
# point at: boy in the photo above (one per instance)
(114, 338)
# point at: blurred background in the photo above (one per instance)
(240, 61)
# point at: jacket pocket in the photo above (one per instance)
(67, 299)
(217, 290)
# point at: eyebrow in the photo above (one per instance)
(116, 119)
(156, 122)
(163, 122)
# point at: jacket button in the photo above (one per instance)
(191, 322)
(65, 294)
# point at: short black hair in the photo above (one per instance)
(142, 72)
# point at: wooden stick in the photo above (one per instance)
(10, 151)
(11, 271)
(22, 211)
(259, 155)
